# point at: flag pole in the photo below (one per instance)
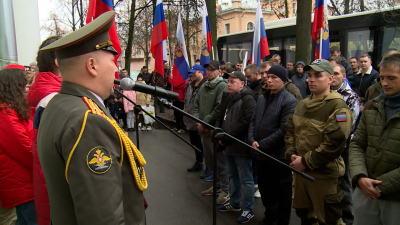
(320, 43)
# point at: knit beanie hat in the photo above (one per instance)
(279, 71)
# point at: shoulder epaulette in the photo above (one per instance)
(94, 109)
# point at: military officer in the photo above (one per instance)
(94, 173)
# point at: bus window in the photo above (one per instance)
(359, 42)
(236, 52)
(290, 50)
(275, 47)
(391, 40)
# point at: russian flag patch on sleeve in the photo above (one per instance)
(342, 117)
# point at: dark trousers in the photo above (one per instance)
(275, 185)
(347, 203)
(195, 140)
(26, 214)
(178, 115)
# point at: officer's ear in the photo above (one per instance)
(91, 66)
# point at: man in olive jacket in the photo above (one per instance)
(375, 152)
(266, 132)
(315, 138)
(206, 108)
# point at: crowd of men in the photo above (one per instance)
(304, 116)
(334, 121)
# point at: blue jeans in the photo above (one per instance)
(241, 174)
(26, 214)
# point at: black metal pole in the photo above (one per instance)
(137, 111)
(218, 132)
(136, 105)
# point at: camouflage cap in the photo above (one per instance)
(93, 36)
(320, 65)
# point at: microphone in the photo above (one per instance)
(129, 84)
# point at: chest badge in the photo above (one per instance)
(99, 160)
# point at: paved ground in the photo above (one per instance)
(174, 195)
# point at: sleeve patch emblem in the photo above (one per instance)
(99, 160)
(341, 117)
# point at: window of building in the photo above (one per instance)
(294, 8)
(250, 26)
(360, 41)
(138, 51)
(282, 9)
(227, 28)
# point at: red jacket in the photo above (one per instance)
(15, 159)
(46, 85)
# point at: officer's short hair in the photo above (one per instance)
(365, 55)
(266, 63)
(45, 60)
(354, 58)
(335, 58)
(390, 60)
(342, 69)
(334, 49)
(253, 68)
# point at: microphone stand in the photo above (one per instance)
(218, 134)
(139, 108)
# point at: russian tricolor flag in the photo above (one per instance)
(160, 34)
(180, 71)
(259, 48)
(96, 8)
(321, 22)
(206, 39)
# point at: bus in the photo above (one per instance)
(370, 32)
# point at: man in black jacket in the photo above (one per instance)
(253, 78)
(335, 51)
(266, 132)
(236, 110)
(365, 77)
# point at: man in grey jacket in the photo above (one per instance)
(236, 110)
(206, 108)
(191, 92)
(266, 132)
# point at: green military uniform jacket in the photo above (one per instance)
(375, 148)
(105, 194)
(317, 131)
(289, 86)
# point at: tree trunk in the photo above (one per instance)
(73, 15)
(81, 14)
(286, 9)
(346, 6)
(303, 31)
(128, 50)
(362, 6)
(187, 32)
(212, 17)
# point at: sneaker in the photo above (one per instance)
(223, 198)
(180, 131)
(175, 129)
(149, 127)
(196, 167)
(206, 173)
(209, 191)
(209, 178)
(143, 127)
(245, 217)
(228, 208)
(257, 194)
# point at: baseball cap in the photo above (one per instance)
(237, 74)
(196, 68)
(213, 63)
(320, 65)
